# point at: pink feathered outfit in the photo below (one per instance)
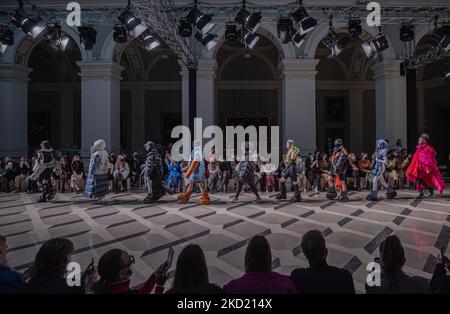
(424, 169)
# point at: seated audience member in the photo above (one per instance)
(393, 279)
(47, 275)
(353, 170)
(319, 277)
(365, 167)
(121, 173)
(392, 168)
(325, 168)
(269, 172)
(259, 277)
(9, 280)
(225, 175)
(115, 270)
(24, 171)
(174, 170)
(77, 177)
(403, 165)
(191, 274)
(135, 169)
(64, 178)
(33, 184)
(440, 282)
(9, 174)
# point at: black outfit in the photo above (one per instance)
(323, 279)
(48, 285)
(246, 175)
(339, 165)
(46, 156)
(440, 282)
(226, 171)
(153, 171)
(288, 169)
(400, 284)
(135, 170)
(209, 288)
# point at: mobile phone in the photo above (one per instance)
(170, 257)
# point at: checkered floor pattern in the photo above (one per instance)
(353, 230)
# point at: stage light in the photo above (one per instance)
(354, 28)
(88, 37)
(57, 40)
(445, 43)
(231, 32)
(298, 39)
(250, 39)
(185, 28)
(34, 27)
(207, 40)
(149, 42)
(301, 17)
(339, 45)
(120, 34)
(133, 24)
(406, 32)
(200, 20)
(6, 39)
(375, 46)
(285, 29)
(446, 76)
(248, 21)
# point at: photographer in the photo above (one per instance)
(440, 282)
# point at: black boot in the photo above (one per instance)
(282, 194)
(373, 196)
(149, 199)
(390, 193)
(331, 194)
(43, 197)
(344, 196)
(296, 197)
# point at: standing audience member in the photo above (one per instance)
(114, 269)
(324, 170)
(64, 179)
(121, 173)
(9, 280)
(259, 277)
(354, 170)
(191, 274)
(319, 277)
(47, 275)
(135, 169)
(365, 168)
(393, 279)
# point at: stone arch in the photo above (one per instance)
(264, 58)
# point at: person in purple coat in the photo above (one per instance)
(259, 277)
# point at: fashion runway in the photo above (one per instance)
(353, 230)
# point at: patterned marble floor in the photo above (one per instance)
(353, 230)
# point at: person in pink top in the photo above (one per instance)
(423, 170)
(259, 277)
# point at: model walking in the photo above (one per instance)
(97, 178)
(338, 171)
(153, 173)
(288, 169)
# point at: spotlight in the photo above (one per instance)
(132, 23)
(207, 40)
(231, 32)
(375, 46)
(149, 42)
(57, 40)
(120, 34)
(246, 20)
(406, 33)
(200, 20)
(185, 28)
(446, 76)
(88, 36)
(6, 39)
(339, 45)
(298, 39)
(301, 17)
(31, 26)
(445, 43)
(250, 39)
(285, 30)
(354, 28)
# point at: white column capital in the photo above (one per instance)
(387, 69)
(100, 70)
(10, 71)
(298, 68)
(206, 68)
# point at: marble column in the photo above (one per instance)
(14, 110)
(67, 118)
(390, 91)
(356, 120)
(100, 105)
(184, 73)
(138, 119)
(206, 74)
(298, 118)
(420, 107)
